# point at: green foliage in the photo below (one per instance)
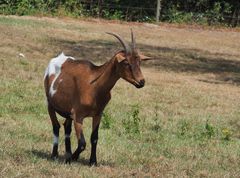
(73, 8)
(205, 133)
(209, 132)
(32, 7)
(214, 15)
(201, 132)
(174, 11)
(116, 15)
(132, 123)
(226, 134)
(156, 127)
(106, 120)
(175, 16)
(184, 128)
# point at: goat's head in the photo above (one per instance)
(128, 62)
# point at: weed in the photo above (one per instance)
(106, 120)
(226, 134)
(209, 130)
(131, 124)
(156, 127)
(184, 127)
(23, 62)
(206, 132)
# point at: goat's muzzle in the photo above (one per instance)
(140, 84)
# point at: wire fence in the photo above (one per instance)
(133, 12)
(136, 13)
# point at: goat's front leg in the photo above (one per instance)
(94, 140)
(68, 130)
(80, 138)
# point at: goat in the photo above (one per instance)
(76, 89)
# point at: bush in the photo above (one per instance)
(32, 7)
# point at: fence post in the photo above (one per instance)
(158, 10)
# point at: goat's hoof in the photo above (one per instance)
(75, 157)
(54, 157)
(68, 161)
(68, 158)
(92, 163)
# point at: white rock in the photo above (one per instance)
(21, 55)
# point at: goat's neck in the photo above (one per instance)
(109, 76)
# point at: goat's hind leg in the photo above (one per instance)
(56, 127)
(81, 139)
(68, 130)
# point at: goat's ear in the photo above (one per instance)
(120, 57)
(144, 58)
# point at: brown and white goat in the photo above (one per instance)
(76, 89)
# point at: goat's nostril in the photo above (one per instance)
(142, 82)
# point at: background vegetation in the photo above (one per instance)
(211, 12)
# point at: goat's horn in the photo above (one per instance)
(133, 41)
(124, 44)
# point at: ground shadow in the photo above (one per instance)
(40, 154)
(226, 67)
(61, 159)
(44, 155)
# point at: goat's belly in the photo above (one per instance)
(62, 102)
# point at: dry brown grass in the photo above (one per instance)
(193, 80)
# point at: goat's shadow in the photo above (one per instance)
(225, 66)
(61, 158)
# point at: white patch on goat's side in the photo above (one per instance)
(52, 90)
(55, 139)
(54, 68)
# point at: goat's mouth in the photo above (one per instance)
(138, 84)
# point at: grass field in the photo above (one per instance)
(184, 123)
